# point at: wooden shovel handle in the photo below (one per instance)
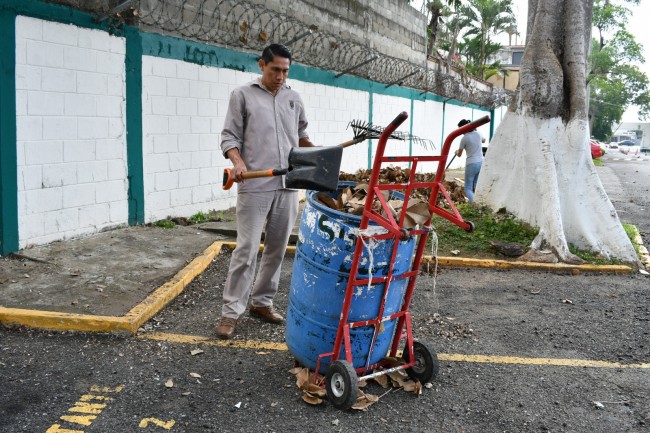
(229, 179)
(351, 142)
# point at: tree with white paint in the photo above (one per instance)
(539, 165)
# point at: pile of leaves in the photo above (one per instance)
(455, 188)
(314, 394)
(352, 199)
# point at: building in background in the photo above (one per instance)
(510, 59)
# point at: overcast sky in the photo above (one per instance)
(638, 19)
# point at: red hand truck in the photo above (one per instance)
(342, 379)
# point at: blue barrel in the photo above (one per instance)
(322, 265)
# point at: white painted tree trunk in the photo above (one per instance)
(539, 165)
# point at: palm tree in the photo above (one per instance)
(436, 10)
(488, 18)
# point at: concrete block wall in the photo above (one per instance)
(70, 124)
(184, 106)
(392, 27)
(330, 110)
(385, 109)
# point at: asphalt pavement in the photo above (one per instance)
(519, 350)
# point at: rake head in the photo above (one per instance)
(367, 131)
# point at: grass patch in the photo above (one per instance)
(596, 259)
(632, 232)
(200, 217)
(590, 257)
(222, 217)
(488, 226)
(598, 162)
(166, 224)
(502, 227)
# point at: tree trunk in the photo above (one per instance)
(452, 48)
(539, 165)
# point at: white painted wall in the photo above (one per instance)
(184, 106)
(71, 117)
(71, 140)
(329, 112)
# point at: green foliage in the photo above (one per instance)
(166, 224)
(222, 217)
(632, 233)
(596, 259)
(469, 28)
(501, 227)
(592, 258)
(200, 217)
(488, 226)
(487, 19)
(615, 81)
(598, 162)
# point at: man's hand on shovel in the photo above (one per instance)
(305, 172)
(239, 172)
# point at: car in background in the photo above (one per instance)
(628, 147)
(596, 150)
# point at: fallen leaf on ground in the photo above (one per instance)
(169, 383)
(364, 401)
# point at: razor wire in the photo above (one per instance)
(239, 23)
(242, 24)
(246, 25)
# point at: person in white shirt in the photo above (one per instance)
(472, 143)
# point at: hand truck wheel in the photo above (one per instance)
(342, 384)
(426, 363)
(471, 227)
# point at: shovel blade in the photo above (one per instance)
(315, 168)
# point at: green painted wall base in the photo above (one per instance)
(8, 153)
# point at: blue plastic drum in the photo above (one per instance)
(322, 264)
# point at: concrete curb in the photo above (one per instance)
(505, 264)
(643, 251)
(156, 301)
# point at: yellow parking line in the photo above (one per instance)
(452, 357)
(556, 362)
(194, 339)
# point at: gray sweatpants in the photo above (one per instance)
(277, 210)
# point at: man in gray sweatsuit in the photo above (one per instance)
(265, 119)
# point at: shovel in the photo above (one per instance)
(317, 168)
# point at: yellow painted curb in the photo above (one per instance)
(168, 291)
(63, 321)
(505, 264)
